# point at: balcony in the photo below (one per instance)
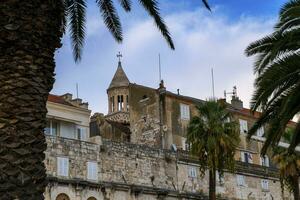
(240, 167)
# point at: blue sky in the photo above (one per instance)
(202, 39)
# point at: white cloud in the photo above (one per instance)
(202, 41)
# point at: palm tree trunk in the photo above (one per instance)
(30, 32)
(212, 184)
(296, 188)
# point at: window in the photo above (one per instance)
(185, 111)
(243, 126)
(240, 180)
(220, 179)
(127, 103)
(92, 171)
(120, 102)
(62, 166)
(112, 102)
(260, 132)
(183, 143)
(246, 157)
(265, 184)
(192, 173)
(62, 197)
(51, 128)
(81, 133)
(264, 161)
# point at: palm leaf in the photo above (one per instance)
(76, 14)
(205, 2)
(126, 4)
(111, 18)
(151, 6)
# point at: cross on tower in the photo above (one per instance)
(119, 55)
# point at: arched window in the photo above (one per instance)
(91, 198)
(112, 103)
(62, 197)
(120, 102)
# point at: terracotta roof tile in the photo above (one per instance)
(58, 99)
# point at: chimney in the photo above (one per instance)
(222, 101)
(67, 96)
(178, 92)
(236, 103)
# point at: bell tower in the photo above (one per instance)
(118, 91)
(118, 95)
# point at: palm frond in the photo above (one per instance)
(111, 18)
(151, 6)
(205, 2)
(126, 4)
(76, 13)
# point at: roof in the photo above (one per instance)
(58, 99)
(120, 79)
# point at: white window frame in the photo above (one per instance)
(249, 155)
(82, 134)
(265, 161)
(50, 128)
(265, 184)
(192, 172)
(243, 126)
(92, 170)
(241, 180)
(184, 111)
(183, 144)
(62, 166)
(260, 132)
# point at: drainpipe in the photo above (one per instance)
(162, 92)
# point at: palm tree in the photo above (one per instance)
(289, 166)
(30, 32)
(213, 137)
(277, 85)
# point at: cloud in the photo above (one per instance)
(203, 41)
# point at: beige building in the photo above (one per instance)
(138, 150)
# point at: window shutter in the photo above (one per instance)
(241, 180)
(62, 166)
(242, 156)
(92, 171)
(250, 158)
(83, 134)
(267, 161)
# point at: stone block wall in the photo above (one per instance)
(131, 171)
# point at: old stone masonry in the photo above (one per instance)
(138, 149)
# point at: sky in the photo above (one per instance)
(203, 40)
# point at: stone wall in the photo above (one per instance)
(131, 171)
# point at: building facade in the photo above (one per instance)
(139, 151)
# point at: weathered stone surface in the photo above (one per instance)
(131, 171)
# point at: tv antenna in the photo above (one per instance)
(159, 67)
(233, 93)
(213, 82)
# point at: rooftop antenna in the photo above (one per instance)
(77, 90)
(213, 82)
(159, 67)
(233, 93)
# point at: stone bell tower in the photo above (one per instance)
(118, 96)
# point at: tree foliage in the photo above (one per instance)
(213, 136)
(277, 85)
(289, 165)
(75, 19)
